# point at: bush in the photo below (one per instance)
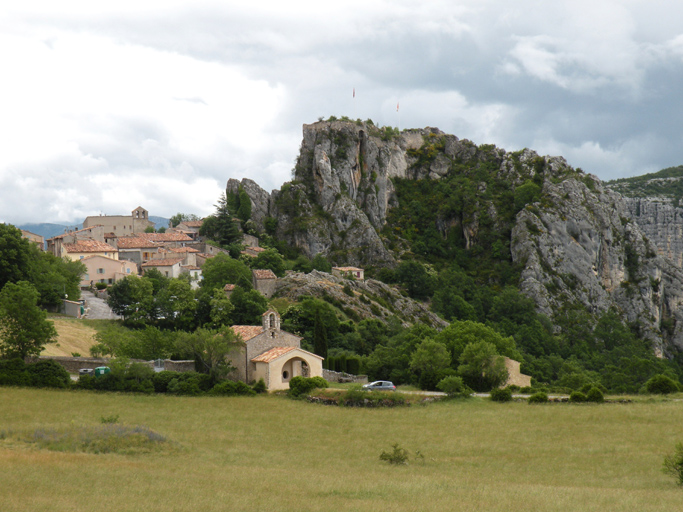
(673, 464)
(188, 387)
(260, 386)
(453, 386)
(162, 379)
(595, 395)
(101, 286)
(303, 385)
(538, 398)
(577, 397)
(662, 385)
(232, 388)
(13, 372)
(501, 395)
(48, 374)
(398, 455)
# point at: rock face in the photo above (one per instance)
(578, 244)
(583, 247)
(661, 223)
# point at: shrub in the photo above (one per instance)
(101, 286)
(48, 374)
(501, 395)
(577, 397)
(398, 455)
(232, 388)
(303, 385)
(13, 372)
(595, 395)
(180, 386)
(673, 464)
(453, 386)
(161, 380)
(662, 384)
(260, 386)
(114, 418)
(538, 398)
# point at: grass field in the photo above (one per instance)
(273, 454)
(74, 335)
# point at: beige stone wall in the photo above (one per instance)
(265, 287)
(515, 377)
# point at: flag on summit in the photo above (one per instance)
(396, 106)
(354, 92)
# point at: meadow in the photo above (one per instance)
(276, 454)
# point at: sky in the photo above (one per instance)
(106, 106)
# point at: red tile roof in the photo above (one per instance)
(247, 332)
(264, 274)
(165, 237)
(272, 354)
(229, 287)
(135, 242)
(89, 246)
(347, 269)
(193, 223)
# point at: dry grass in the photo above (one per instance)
(270, 453)
(74, 335)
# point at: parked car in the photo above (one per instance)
(380, 385)
(86, 371)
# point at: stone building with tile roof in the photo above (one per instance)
(272, 354)
(264, 281)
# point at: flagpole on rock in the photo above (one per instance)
(398, 115)
(354, 103)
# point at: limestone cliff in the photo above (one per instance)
(576, 242)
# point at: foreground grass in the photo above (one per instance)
(270, 453)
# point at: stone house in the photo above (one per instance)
(80, 249)
(56, 243)
(252, 251)
(272, 354)
(121, 225)
(355, 272)
(37, 240)
(228, 289)
(264, 282)
(169, 267)
(103, 269)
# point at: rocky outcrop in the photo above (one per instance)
(662, 223)
(358, 299)
(581, 246)
(578, 245)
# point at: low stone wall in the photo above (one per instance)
(332, 376)
(73, 364)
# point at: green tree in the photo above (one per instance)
(481, 367)
(221, 309)
(428, 361)
(270, 259)
(222, 269)
(210, 350)
(320, 263)
(132, 298)
(24, 328)
(319, 336)
(14, 255)
(176, 303)
(414, 277)
(244, 208)
(248, 306)
(54, 277)
(182, 217)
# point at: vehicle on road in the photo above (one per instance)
(380, 385)
(86, 371)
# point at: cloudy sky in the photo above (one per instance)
(107, 106)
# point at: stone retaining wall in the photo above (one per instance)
(332, 376)
(73, 364)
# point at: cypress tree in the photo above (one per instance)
(319, 336)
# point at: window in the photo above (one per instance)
(81, 257)
(100, 271)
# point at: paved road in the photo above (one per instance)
(97, 308)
